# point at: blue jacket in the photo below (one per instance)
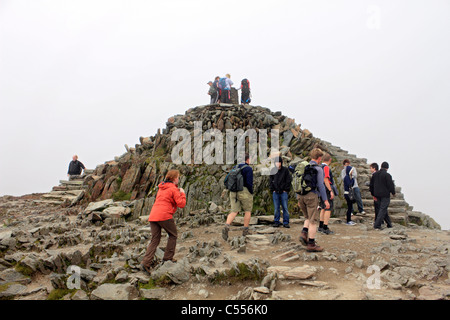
(348, 182)
(247, 173)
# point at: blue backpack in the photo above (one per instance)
(223, 83)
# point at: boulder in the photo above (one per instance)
(110, 291)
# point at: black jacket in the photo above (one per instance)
(280, 181)
(381, 184)
(75, 167)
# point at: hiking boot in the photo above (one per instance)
(304, 238)
(350, 223)
(276, 225)
(327, 231)
(321, 230)
(146, 269)
(313, 247)
(225, 233)
(246, 232)
(286, 225)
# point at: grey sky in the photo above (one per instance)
(86, 77)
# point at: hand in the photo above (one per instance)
(182, 190)
(327, 204)
(375, 199)
(331, 195)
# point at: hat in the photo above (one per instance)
(385, 165)
(209, 82)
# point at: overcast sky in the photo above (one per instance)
(87, 77)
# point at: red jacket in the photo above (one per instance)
(168, 199)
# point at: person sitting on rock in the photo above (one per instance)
(75, 168)
(168, 199)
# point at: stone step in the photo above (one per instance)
(48, 202)
(393, 203)
(71, 183)
(62, 195)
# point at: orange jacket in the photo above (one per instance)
(168, 199)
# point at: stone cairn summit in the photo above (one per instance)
(135, 175)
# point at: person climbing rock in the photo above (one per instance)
(240, 200)
(168, 199)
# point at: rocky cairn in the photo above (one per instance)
(102, 232)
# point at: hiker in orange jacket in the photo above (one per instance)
(168, 199)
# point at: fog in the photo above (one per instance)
(87, 77)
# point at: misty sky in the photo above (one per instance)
(86, 77)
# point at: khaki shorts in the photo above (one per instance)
(244, 201)
(309, 205)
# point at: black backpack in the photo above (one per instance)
(234, 181)
(245, 85)
(309, 179)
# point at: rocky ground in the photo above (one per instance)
(40, 243)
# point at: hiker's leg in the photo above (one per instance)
(284, 205)
(376, 205)
(231, 217)
(349, 208)
(276, 204)
(326, 218)
(247, 217)
(382, 212)
(171, 229)
(151, 249)
(358, 199)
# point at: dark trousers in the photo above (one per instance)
(383, 212)
(349, 207)
(225, 96)
(376, 204)
(155, 227)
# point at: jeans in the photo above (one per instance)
(383, 212)
(281, 199)
(358, 199)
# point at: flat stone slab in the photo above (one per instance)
(293, 273)
(110, 291)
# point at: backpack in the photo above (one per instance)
(245, 85)
(222, 83)
(304, 179)
(234, 181)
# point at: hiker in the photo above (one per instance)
(168, 199)
(374, 168)
(356, 190)
(213, 93)
(308, 200)
(75, 168)
(381, 187)
(331, 191)
(280, 185)
(225, 89)
(245, 92)
(216, 85)
(241, 196)
(349, 195)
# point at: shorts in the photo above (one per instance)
(322, 203)
(309, 204)
(244, 201)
